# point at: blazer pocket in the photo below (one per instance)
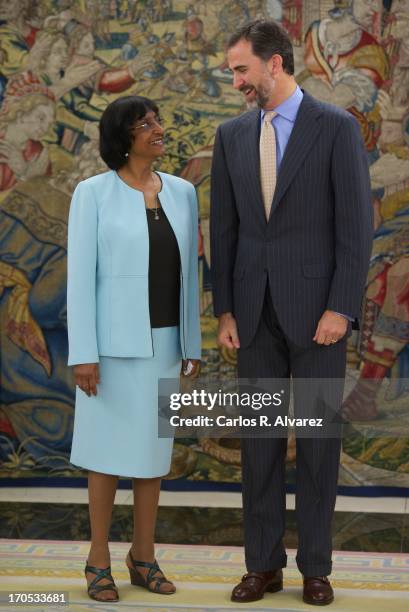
(317, 270)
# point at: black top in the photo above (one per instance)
(164, 271)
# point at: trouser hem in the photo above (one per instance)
(266, 565)
(311, 570)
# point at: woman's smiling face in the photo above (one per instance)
(148, 137)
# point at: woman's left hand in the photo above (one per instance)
(190, 368)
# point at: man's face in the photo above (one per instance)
(250, 74)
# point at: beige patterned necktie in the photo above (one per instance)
(268, 162)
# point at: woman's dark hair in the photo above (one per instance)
(119, 117)
(267, 38)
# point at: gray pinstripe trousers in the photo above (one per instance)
(272, 355)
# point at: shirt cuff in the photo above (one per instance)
(345, 316)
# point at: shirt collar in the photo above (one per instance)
(289, 108)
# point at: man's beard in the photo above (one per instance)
(263, 93)
(260, 101)
(262, 96)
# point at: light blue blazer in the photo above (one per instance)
(108, 262)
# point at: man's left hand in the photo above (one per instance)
(331, 328)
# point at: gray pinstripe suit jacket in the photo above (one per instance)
(316, 246)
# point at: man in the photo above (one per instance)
(291, 233)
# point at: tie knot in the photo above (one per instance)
(269, 116)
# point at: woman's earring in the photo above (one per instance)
(126, 154)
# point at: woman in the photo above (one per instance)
(133, 315)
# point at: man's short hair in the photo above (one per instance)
(267, 38)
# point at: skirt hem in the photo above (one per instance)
(120, 475)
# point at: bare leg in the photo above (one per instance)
(101, 494)
(146, 499)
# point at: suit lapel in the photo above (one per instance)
(248, 135)
(305, 131)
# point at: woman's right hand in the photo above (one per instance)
(86, 376)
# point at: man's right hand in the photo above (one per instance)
(227, 334)
(86, 376)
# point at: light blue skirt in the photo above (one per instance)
(116, 431)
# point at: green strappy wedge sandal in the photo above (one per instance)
(94, 588)
(138, 579)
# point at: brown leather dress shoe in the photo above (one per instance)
(253, 585)
(318, 591)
